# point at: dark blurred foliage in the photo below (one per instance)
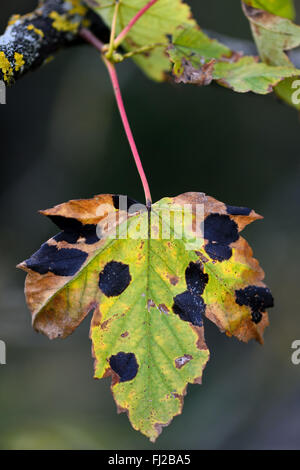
(61, 138)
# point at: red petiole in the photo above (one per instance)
(88, 36)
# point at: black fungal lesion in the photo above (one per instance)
(61, 262)
(220, 228)
(195, 279)
(30, 40)
(73, 230)
(189, 305)
(220, 231)
(258, 298)
(114, 278)
(69, 237)
(235, 210)
(218, 251)
(123, 202)
(125, 365)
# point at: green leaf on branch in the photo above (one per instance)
(274, 36)
(196, 58)
(199, 60)
(246, 74)
(149, 277)
(195, 45)
(284, 8)
(161, 20)
(191, 47)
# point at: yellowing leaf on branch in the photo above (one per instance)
(149, 276)
(161, 20)
(274, 37)
(166, 37)
(200, 60)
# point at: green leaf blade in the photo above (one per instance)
(274, 35)
(161, 20)
(248, 75)
(199, 60)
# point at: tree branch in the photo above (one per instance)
(31, 40)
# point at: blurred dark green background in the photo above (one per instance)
(61, 138)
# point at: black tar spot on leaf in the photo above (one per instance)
(69, 237)
(221, 229)
(118, 201)
(257, 298)
(125, 365)
(196, 280)
(114, 278)
(63, 262)
(73, 229)
(89, 233)
(65, 223)
(189, 307)
(234, 210)
(218, 251)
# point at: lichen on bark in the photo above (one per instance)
(31, 40)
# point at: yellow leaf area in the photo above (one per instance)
(161, 20)
(149, 277)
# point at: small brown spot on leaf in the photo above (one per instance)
(163, 309)
(104, 324)
(173, 279)
(202, 257)
(124, 335)
(181, 361)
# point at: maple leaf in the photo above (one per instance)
(274, 36)
(199, 60)
(149, 276)
(161, 20)
(196, 58)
